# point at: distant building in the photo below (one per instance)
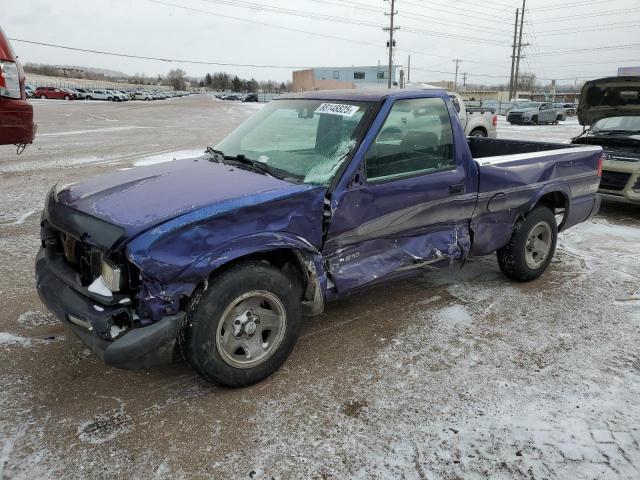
(331, 78)
(629, 71)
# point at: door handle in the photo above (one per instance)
(456, 189)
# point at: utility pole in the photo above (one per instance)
(464, 79)
(513, 56)
(391, 45)
(515, 80)
(455, 82)
(409, 70)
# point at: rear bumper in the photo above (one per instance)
(141, 347)
(16, 122)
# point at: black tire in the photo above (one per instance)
(89, 97)
(534, 120)
(201, 339)
(477, 132)
(66, 97)
(43, 97)
(512, 258)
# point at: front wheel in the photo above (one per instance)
(534, 120)
(43, 97)
(531, 248)
(243, 327)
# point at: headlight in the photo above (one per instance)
(111, 275)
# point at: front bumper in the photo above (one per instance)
(621, 181)
(141, 347)
(519, 120)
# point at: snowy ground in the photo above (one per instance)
(459, 374)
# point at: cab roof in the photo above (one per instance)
(366, 95)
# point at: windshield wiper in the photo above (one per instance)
(220, 156)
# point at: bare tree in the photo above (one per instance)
(527, 81)
(177, 79)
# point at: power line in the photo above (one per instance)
(329, 18)
(435, 6)
(594, 49)
(590, 28)
(595, 28)
(571, 5)
(159, 59)
(306, 32)
(458, 24)
(588, 15)
(297, 13)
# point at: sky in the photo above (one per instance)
(568, 40)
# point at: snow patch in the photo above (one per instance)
(454, 315)
(168, 157)
(7, 338)
(32, 319)
(100, 288)
(85, 132)
(21, 219)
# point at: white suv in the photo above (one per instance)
(102, 95)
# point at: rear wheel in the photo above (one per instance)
(478, 132)
(531, 248)
(89, 97)
(43, 97)
(244, 326)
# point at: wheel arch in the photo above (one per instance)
(481, 129)
(556, 198)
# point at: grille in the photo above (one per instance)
(614, 180)
(81, 257)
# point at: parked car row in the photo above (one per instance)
(112, 95)
(238, 97)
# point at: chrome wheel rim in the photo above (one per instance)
(251, 329)
(538, 245)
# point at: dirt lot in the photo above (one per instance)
(459, 374)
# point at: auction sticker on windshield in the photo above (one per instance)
(338, 109)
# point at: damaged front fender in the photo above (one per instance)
(174, 258)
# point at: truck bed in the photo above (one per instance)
(513, 176)
(493, 147)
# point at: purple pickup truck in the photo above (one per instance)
(216, 259)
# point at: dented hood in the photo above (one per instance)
(138, 199)
(609, 97)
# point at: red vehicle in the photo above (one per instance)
(16, 115)
(55, 93)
